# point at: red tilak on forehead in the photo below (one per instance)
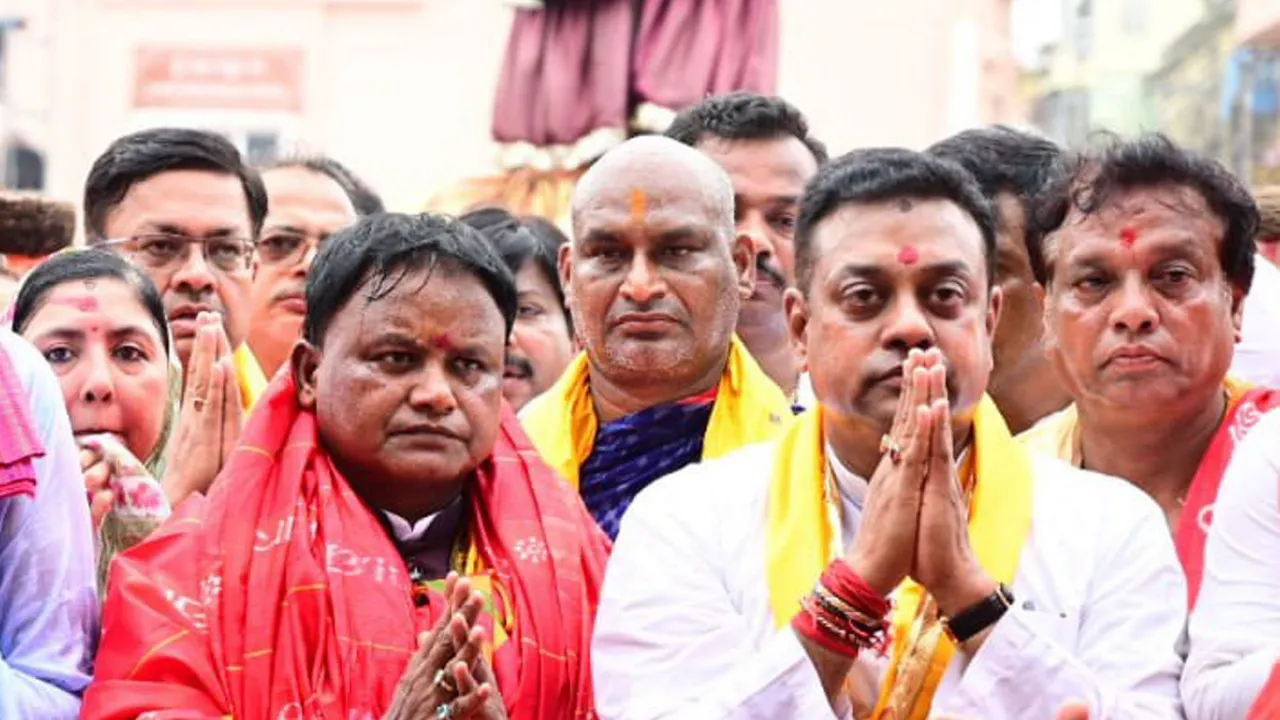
(908, 255)
(1128, 236)
(83, 304)
(442, 342)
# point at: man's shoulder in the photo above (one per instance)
(730, 483)
(1070, 493)
(1051, 435)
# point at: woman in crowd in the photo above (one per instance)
(541, 344)
(48, 608)
(320, 578)
(100, 324)
(1235, 628)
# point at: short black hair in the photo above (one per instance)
(744, 116)
(1005, 160)
(381, 249)
(35, 226)
(363, 198)
(519, 240)
(86, 264)
(144, 154)
(877, 175)
(1147, 161)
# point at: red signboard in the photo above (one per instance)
(222, 79)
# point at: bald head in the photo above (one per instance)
(655, 274)
(656, 168)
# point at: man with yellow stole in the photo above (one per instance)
(1146, 265)
(759, 585)
(654, 277)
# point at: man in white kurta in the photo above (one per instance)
(1235, 629)
(894, 252)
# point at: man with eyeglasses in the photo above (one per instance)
(310, 198)
(184, 207)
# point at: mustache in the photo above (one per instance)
(656, 307)
(520, 363)
(770, 271)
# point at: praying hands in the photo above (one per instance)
(211, 416)
(448, 676)
(915, 522)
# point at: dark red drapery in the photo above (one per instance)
(576, 71)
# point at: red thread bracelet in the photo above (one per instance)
(840, 580)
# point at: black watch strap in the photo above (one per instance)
(974, 619)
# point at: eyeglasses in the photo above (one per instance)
(165, 252)
(284, 248)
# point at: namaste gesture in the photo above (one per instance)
(448, 676)
(915, 521)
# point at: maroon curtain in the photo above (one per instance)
(565, 72)
(688, 49)
(579, 69)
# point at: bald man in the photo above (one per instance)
(654, 276)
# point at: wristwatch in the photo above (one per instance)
(976, 618)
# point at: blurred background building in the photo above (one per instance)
(416, 95)
(1202, 71)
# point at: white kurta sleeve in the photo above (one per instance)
(1124, 661)
(1235, 629)
(669, 642)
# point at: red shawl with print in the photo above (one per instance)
(280, 596)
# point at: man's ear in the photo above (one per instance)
(1049, 338)
(744, 262)
(564, 264)
(304, 361)
(797, 309)
(1237, 311)
(564, 267)
(995, 305)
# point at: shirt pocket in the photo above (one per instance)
(1059, 624)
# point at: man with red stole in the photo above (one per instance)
(384, 542)
(1146, 261)
(758, 585)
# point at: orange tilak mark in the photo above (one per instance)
(639, 205)
(908, 255)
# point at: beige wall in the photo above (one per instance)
(1258, 22)
(878, 73)
(402, 90)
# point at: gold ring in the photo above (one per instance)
(445, 682)
(891, 446)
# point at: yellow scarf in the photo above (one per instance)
(250, 376)
(749, 408)
(803, 537)
(1058, 435)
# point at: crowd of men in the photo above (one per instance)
(990, 430)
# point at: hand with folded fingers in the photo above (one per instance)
(210, 418)
(884, 549)
(429, 687)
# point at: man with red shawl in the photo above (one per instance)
(384, 541)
